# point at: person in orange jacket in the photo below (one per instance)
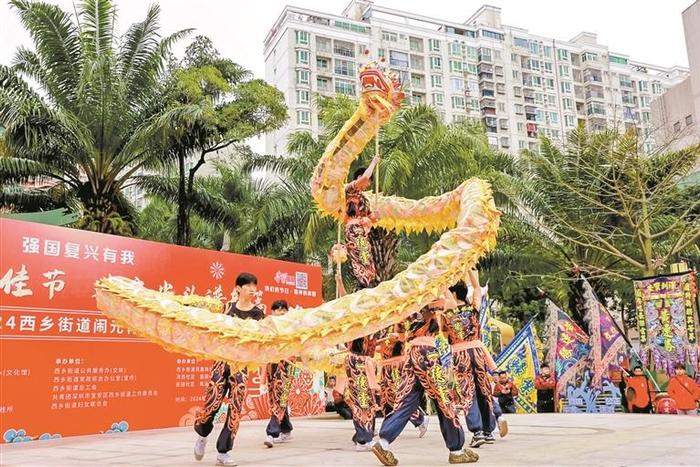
(682, 389)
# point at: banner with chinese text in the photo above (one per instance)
(519, 360)
(667, 319)
(66, 370)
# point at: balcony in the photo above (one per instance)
(487, 93)
(590, 78)
(488, 111)
(323, 49)
(532, 130)
(595, 95)
(344, 49)
(529, 100)
(483, 67)
(530, 117)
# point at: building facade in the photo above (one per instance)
(676, 113)
(518, 84)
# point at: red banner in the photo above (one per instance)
(65, 369)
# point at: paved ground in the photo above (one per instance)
(558, 439)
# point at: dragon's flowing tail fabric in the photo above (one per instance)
(196, 326)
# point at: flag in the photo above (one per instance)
(519, 360)
(606, 342)
(569, 346)
(484, 318)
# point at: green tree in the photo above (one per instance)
(598, 208)
(213, 103)
(96, 91)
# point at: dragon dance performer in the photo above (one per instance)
(471, 359)
(423, 373)
(358, 222)
(362, 389)
(393, 357)
(279, 383)
(227, 382)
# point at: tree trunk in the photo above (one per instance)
(183, 222)
(385, 249)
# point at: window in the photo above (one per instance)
(472, 53)
(567, 103)
(302, 77)
(521, 144)
(589, 57)
(302, 57)
(303, 117)
(455, 66)
(534, 48)
(346, 49)
(547, 66)
(457, 84)
(555, 134)
(323, 64)
(417, 81)
(492, 35)
(436, 81)
(516, 74)
(646, 117)
(519, 109)
(539, 98)
(323, 84)
(534, 64)
(344, 68)
(595, 108)
(471, 68)
(302, 96)
(398, 58)
(569, 120)
(474, 104)
(551, 99)
(553, 118)
(688, 120)
(518, 42)
(455, 49)
(433, 45)
(616, 59)
(536, 81)
(435, 63)
(438, 98)
(564, 71)
(645, 101)
(323, 44)
(350, 27)
(521, 127)
(563, 54)
(540, 116)
(626, 81)
(501, 107)
(417, 62)
(389, 36)
(565, 87)
(643, 85)
(302, 37)
(345, 87)
(549, 83)
(677, 127)
(484, 54)
(416, 99)
(458, 102)
(473, 87)
(547, 51)
(415, 44)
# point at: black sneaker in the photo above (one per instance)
(477, 440)
(489, 438)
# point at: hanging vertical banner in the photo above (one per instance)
(519, 360)
(68, 370)
(668, 324)
(569, 346)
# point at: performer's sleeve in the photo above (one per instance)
(514, 389)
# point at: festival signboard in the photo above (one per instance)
(65, 369)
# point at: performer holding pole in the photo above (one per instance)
(279, 429)
(423, 373)
(393, 352)
(362, 389)
(472, 361)
(226, 381)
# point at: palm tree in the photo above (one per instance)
(95, 91)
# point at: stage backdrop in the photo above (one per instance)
(67, 370)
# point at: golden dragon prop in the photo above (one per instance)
(195, 325)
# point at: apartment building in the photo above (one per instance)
(518, 84)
